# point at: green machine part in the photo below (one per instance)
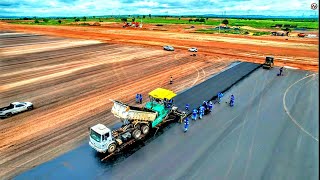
(160, 108)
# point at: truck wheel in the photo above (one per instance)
(8, 115)
(30, 108)
(112, 148)
(145, 129)
(136, 134)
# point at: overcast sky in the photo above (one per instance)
(157, 7)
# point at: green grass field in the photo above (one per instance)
(231, 31)
(265, 23)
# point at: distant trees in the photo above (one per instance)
(84, 18)
(133, 19)
(225, 22)
(36, 21)
(202, 20)
(46, 20)
(149, 15)
(197, 20)
(59, 21)
(124, 19)
(143, 16)
(76, 20)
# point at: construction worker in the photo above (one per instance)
(194, 114)
(231, 100)
(186, 124)
(140, 98)
(280, 71)
(220, 95)
(201, 112)
(137, 98)
(187, 107)
(210, 105)
(205, 105)
(170, 103)
(171, 80)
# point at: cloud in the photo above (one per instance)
(159, 7)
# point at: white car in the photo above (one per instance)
(15, 108)
(168, 48)
(193, 49)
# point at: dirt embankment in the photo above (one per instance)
(71, 87)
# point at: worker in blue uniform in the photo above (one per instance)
(140, 98)
(170, 103)
(231, 100)
(205, 105)
(220, 95)
(194, 114)
(137, 98)
(187, 107)
(186, 124)
(201, 112)
(210, 106)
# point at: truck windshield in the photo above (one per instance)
(96, 136)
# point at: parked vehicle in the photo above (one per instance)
(193, 49)
(168, 48)
(14, 108)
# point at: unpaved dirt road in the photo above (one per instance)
(70, 84)
(70, 81)
(298, 52)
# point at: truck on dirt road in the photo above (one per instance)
(136, 122)
(14, 108)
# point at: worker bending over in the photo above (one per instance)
(280, 72)
(220, 95)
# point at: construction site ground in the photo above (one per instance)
(270, 133)
(71, 74)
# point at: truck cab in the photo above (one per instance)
(100, 138)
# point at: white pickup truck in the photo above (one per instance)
(14, 108)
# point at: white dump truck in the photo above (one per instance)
(136, 122)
